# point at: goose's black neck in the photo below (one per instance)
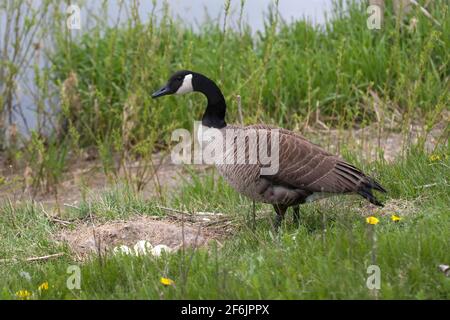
(214, 116)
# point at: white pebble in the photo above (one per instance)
(25, 275)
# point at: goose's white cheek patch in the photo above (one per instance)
(186, 86)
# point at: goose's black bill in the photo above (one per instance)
(162, 92)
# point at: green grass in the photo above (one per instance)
(296, 263)
(98, 87)
(284, 72)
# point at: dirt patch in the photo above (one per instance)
(399, 207)
(369, 141)
(86, 239)
(86, 177)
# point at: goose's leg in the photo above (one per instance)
(280, 210)
(296, 214)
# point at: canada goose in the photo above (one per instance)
(306, 172)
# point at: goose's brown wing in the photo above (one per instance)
(306, 166)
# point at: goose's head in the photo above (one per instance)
(185, 81)
(179, 83)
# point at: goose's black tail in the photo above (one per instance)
(354, 180)
(366, 191)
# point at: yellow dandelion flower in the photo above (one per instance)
(23, 294)
(43, 286)
(372, 220)
(167, 281)
(395, 218)
(434, 157)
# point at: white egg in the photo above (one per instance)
(123, 249)
(157, 250)
(142, 247)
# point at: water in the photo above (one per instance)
(195, 12)
(192, 13)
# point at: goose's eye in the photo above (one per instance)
(180, 78)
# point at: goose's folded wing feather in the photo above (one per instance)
(307, 166)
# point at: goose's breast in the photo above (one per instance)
(244, 178)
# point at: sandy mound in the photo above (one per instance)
(86, 239)
(400, 207)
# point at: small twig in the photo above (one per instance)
(98, 246)
(376, 102)
(426, 185)
(318, 121)
(219, 243)
(241, 118)
(54, 219)
(31, 259)
(173, 210)
(183, 254)
(55, 255)
(97, 240)
(324, 229)
(224, 221)
(63, 222)
(203, 213)
(70, 206)
(425, 12)
(254, 215)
